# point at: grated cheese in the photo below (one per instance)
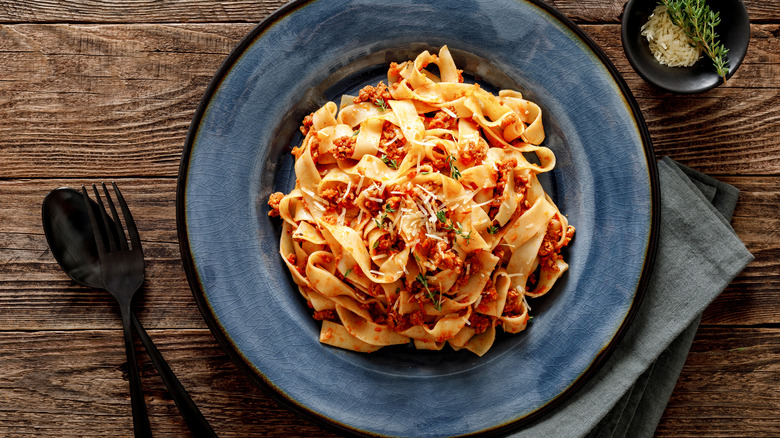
(349, 186)
(433, 236)
(484, 203)
(668, 42)
(450, 113)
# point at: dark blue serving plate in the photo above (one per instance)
(237, 153)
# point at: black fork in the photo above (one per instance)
(122, 267)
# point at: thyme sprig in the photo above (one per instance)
(454, 171)
(391, 163)
(698, 21)
(424, 281)
(381, 104)
(456, 227)
(380, 223)
(459, 231)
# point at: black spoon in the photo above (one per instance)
(69, 234)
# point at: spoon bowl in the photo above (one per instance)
(69, 235)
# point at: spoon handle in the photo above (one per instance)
(196, 422)
(141, 425)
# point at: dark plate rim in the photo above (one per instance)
(248, 369)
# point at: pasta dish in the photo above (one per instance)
(417, 216)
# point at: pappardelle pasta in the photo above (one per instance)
(416, 215)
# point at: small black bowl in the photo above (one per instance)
(734, 32)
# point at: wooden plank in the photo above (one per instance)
(122, 108)
(758, 225)
(78, 382)
(38, 295)
(728, 386)
(126, 102)
(702, 130)
(193, 11)
(61, 383)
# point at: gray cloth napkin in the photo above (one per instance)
(698, 255)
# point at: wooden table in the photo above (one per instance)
(94, 91)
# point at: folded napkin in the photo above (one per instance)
(697, 257)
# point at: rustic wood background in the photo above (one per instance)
(106, 89)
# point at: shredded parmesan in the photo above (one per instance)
(426, 191)
(450, 113)
(433, 236)
(342, 215)
(313, 195)
(484, 203)
(668, 42)
(346, 192)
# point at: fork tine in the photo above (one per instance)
(110, 232)
(132, 230)
(101, 246)
(117, 225)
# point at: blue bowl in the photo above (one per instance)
(237, 153)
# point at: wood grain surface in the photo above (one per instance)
(106, 90)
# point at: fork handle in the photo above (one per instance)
(140, 416)
(196, 422)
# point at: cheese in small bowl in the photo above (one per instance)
(668, 42)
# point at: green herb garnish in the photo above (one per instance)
(389, 209)
(698, 21)
(454, 172)
(441, 216)
(493, 229)
(376, 244)
(390, 163)
(424, 281)
(458, 229)
(380, 222)
(381, 104)
(356, 133)
(346, 274)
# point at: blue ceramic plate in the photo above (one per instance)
(237, 153)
